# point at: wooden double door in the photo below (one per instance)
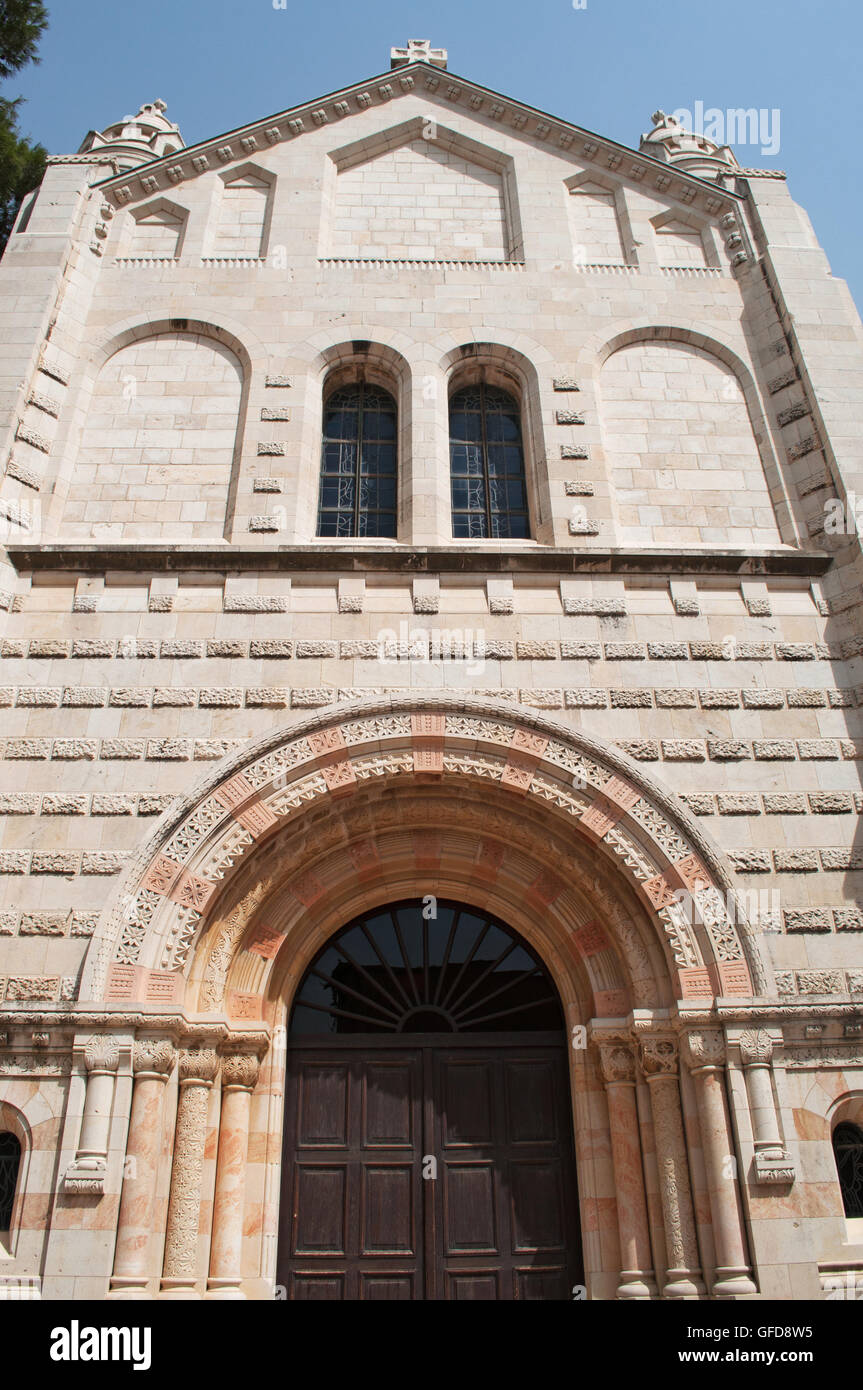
(440, 1169)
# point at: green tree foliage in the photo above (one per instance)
(22, 23)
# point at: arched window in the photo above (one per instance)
(848, 1148)
(358, 465)
(10, 1162)
(489, 497)
(393, 970)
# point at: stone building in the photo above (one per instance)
(431, 671)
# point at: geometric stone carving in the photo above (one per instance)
(298, 770)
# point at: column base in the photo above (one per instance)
(179, 1289)
(733, 1283)
(635, 1285)
(225, 1290)
(129, 1287)
(683, 1283)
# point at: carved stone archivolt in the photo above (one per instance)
(659, 850)
(225, 937)
(466, 837)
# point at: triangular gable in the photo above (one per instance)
(443, 88)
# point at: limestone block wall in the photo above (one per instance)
(419, 202)
(752, 716)
(156, 453)
(682, 455)
(595, 225)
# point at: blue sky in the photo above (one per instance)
(222, 63)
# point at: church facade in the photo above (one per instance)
(430, 659)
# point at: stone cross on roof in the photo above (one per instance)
(418, 51)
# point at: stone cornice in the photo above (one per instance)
(123, 1018)
(94, 557)
(761, 173)
(516, 117)
(764, 1012)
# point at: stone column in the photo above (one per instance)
(87, 1172)
(152, 1063)
(617, 1065)
(772, 1162)
(705, 1055)
(198, 1071)
(659, 1064)
(239, 1078)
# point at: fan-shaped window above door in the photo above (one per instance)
(397, 970)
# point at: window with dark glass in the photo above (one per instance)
(848, 1148)
(10, 1161)
(358, 465)
(397, 971)
(489, 496)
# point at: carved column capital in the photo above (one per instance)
(616, 1063)
(199, 1065)
(102, 1053)
(153, 1056)
(704, 1049)
(240, 1069)
(659, 1057)
(756, 1047)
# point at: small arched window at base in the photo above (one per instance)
(848, 1148)
(10, 1163)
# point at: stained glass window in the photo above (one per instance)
(848, 1148)
(358, 463)
(489, 495)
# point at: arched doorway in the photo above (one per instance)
(428, 1146)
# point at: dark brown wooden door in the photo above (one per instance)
(366, 1215)
(351, 1222)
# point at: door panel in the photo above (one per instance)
(387, 1212)
(388, 1288)
(503, 1137)
(353, 1229)
(359, 1221)
(389, 1117)
(464, 1095)
(323, 1105)
(480, 1287)
(536, 1206)
(320, 1203)
(469, 1208)
(530, 1101)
